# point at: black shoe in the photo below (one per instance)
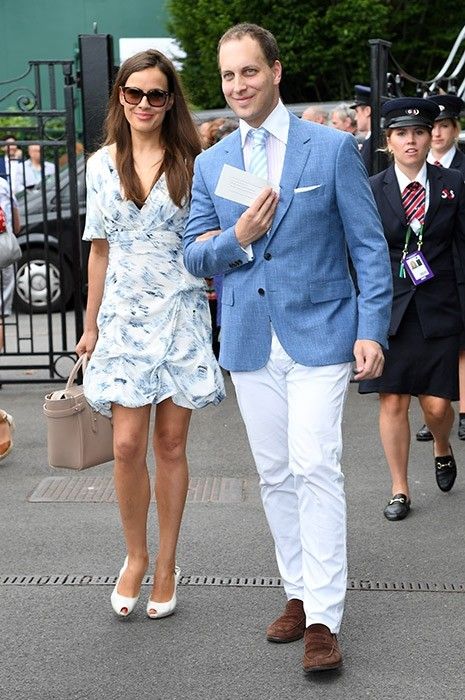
(398, 507)
(425, 434)
(461, 430)
(446, 471)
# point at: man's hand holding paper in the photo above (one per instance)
(254, 192)
(257, 220)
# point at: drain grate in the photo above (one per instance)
(231, 581)
(100, 489)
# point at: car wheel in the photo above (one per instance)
(31, 283)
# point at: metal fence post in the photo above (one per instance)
(379, 52)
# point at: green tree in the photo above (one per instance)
(422, 34)
(311, 43)
(323, 43)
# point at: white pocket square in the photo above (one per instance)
(306, 189)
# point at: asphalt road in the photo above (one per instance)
(403, 631)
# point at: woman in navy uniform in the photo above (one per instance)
(446, 131)
(444, 153)
(426, 319)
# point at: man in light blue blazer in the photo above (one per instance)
(292, 323)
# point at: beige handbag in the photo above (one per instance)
(77, 436)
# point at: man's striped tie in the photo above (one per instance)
(258, 164)
(414, 200)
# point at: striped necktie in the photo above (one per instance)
(414, 200)
(258, 164)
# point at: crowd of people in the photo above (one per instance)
(23, 173)
(16, 175)
(369, 271)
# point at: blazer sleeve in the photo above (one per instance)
(366, 243)
(216, 255)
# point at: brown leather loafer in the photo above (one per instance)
(290, 626)
(322, 651)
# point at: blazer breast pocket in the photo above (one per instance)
(309, 203)
(310, 191)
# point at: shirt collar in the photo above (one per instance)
(403, 180)
(445, 160)
(277, 123)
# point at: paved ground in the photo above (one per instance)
(403, 632)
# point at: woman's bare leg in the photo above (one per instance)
(171, 483)
(462, 381)
(439, 417)
(395, 436)
(132, 485)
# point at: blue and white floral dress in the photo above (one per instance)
(154, 337)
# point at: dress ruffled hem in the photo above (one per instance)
(196, 389)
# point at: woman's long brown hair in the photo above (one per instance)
(179, 135)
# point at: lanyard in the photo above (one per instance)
(419, 235)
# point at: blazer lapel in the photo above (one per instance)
(393, 195)
(232, 154)
(435, 188)
(233, 150)
(297, 152)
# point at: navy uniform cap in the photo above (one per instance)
(450, 106)
(362, 96)
(408, 111)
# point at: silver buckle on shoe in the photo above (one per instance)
(396, 500)
(446, 465)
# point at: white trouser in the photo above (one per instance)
(293, 417)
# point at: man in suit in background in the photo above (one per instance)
(362, 108)
(291, 321)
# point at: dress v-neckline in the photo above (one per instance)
(114, 171)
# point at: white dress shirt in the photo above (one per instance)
(445, 160)
(277, 124)
(32, 175)
(14, 171)
(421, 177)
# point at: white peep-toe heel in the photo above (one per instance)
(121, 604)
(164, 609)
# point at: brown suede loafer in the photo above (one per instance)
(322, 651)
(290, 626)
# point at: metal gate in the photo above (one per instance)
(41, 300)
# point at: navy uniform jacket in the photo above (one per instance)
(3, 172)
(458, 162)
(437, 300)
(365, 152)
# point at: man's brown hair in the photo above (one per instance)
(263, 37)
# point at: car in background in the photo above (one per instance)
(40, 250)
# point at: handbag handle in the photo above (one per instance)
(81, 362)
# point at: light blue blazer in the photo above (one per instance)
(298, 282)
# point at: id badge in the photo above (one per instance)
(417, 268)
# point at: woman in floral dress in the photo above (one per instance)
(147, 329)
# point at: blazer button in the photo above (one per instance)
(267, 256)
(261, 291)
